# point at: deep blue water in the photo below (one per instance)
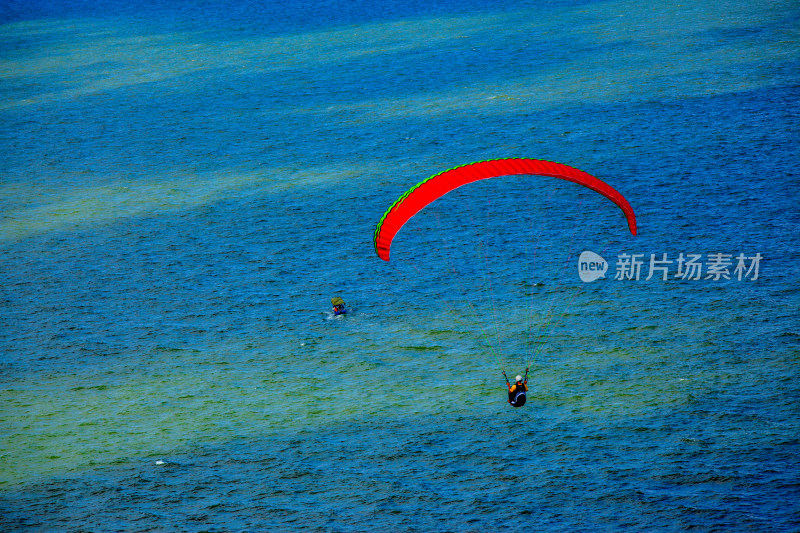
(186, 185)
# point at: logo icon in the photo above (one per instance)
(591, 266)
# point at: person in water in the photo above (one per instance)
(338, 306)
(517, 392)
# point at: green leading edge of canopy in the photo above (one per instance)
(489, 168)
(409, 191)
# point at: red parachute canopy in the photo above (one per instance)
(425, 192)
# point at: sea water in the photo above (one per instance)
(184, 186)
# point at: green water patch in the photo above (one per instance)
(41, 209)
(69, 421)
(420, 348)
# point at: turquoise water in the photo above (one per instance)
(185, 186)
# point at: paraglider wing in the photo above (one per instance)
(425, 192)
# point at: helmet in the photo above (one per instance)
(519, 378)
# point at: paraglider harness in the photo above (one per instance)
(518, 397)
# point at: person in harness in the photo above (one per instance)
(517, 392)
